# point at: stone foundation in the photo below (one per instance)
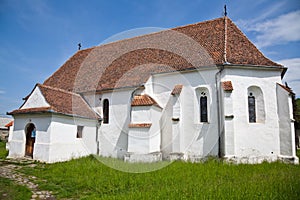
(176, 156)
(145, 158)
(261, 159)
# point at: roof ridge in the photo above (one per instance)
(157, 32)
(225, 39)
(57, 89)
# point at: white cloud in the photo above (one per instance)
(2, 92)
(264, 14)
(280, 30)
(269, 11)
(292, 76)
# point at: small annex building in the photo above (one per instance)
(184, 93)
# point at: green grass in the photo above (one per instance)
(87, 178)
(10, 191)
(3, 152)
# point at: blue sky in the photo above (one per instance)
(38, 36)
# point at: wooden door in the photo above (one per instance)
(30, 139)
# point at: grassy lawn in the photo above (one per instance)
(11, 191)
(87, 178)
(8, 189)
(3, 152)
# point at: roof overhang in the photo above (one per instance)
(13, 113)
(257, 67)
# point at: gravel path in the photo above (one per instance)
(10, 170)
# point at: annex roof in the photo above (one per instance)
(177, 89)
(4, 121)
(130, 62)
(11, 123)
(62, 102)
(227, 86)
(143, 100)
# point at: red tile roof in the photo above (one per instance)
(9, 124)
(130, 62)
(143, 100)
(176, 90)
(227, 86)
(141, 125)
(31, 110)
(61, 101)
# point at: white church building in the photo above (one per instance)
(184, 93)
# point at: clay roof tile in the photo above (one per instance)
(177, 90)
(121, 64)
(143, 100)
(63, 102)
(227, 86)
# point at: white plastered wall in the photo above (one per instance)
(261, 139)
(64, 143)
(55, 137)
(18, 139)
(196, 139)
(145, 140)
(35, 100)
(229, 142)
(113, 137)
(286, 125)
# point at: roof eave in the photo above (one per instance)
(229, 65)
(51, 112)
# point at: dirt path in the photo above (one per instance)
(10, 170)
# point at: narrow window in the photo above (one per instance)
(105, 111)
(79, 131)
(251, 108)
(203, 108)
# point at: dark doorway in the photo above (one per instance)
(30, 139)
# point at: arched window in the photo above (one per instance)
(256, 105)
(203, 105)
(203, 108)
(105, 111)
(251, 108)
